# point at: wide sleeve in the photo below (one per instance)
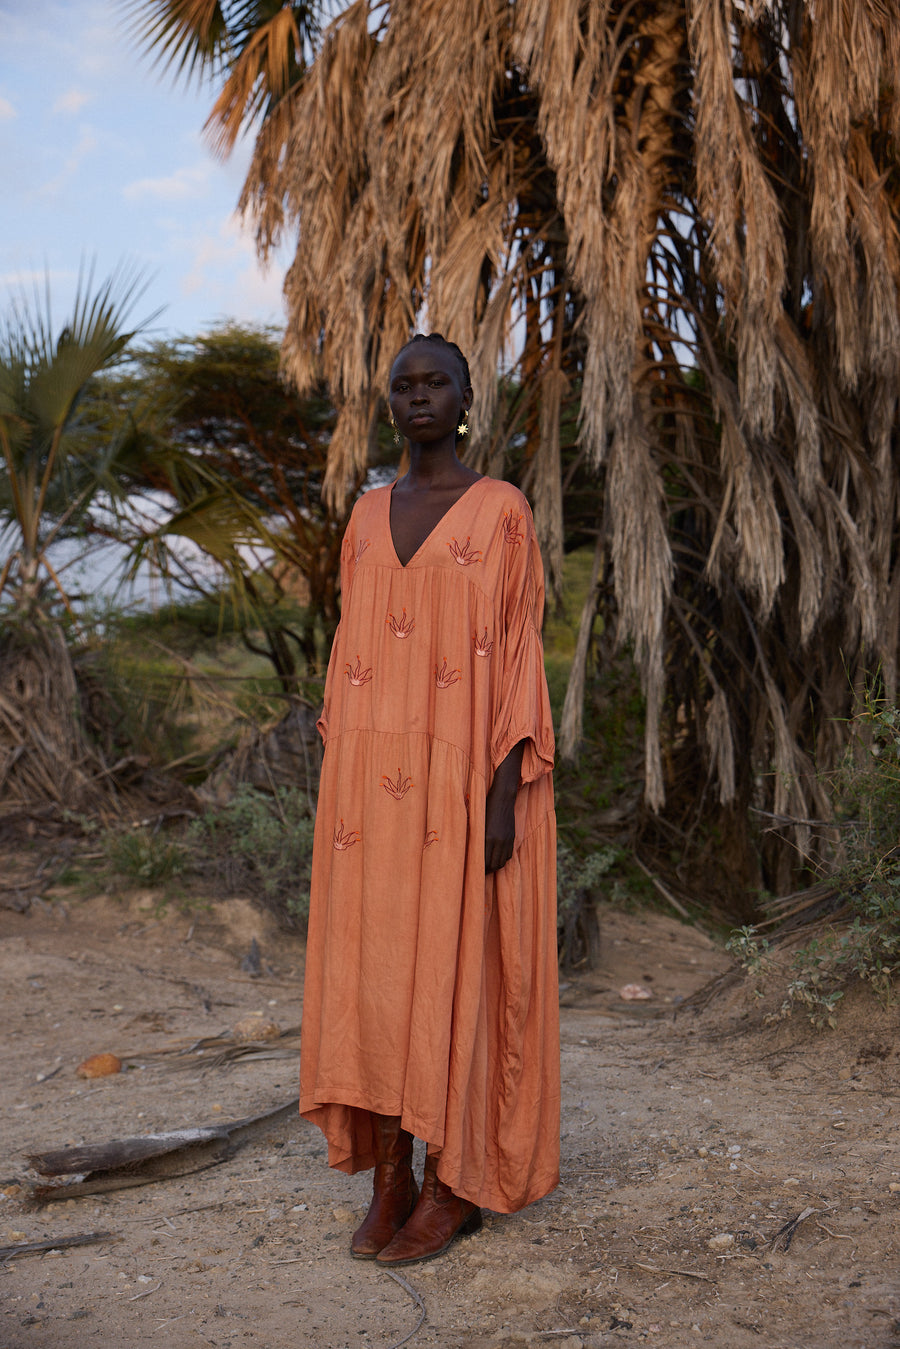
(348, 567)
(523, 702)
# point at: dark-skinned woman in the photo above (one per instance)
(430, 1002)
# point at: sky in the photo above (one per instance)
(103, 162)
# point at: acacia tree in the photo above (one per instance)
(683, 214)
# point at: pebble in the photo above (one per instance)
(99, 1065)
(255, 1027)
(721, 1241)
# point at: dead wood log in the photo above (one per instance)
(95, 1168)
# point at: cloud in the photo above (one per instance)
(178, 186)
(225, 272)
(72, 101)
(87, 143)
(7, 111)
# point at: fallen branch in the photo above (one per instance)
(666, 893)
(51, 1244)
(225, 1049)
(98, 1167)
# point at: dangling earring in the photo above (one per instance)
(463, 428)
(398, 439)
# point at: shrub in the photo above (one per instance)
(862, 941)
(262, 844)
(144, 856)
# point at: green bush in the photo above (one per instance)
(261, 844)
(144, 856)
(863, 942)
(578, 884)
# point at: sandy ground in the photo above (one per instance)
(689, 1141)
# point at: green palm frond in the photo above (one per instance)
(52, 470)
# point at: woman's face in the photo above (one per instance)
(427, 395)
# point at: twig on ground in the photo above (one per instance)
(838, 1236)
(146, 1293)
(398, 1278)
(664, 1269)
(788, 1231)
(52, 1244)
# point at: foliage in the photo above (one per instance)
(262, 844)
(256, 844)
(54, 468)
(676, 221)
(578, 881)
(53, 471)
(144, 856)
(863, 940)
(225, 443)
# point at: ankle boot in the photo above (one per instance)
(439, 1216)
(394, 1192)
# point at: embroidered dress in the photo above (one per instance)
(431, 988)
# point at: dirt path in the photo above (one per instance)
(688, 1143)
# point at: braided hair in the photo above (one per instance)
(450, 346)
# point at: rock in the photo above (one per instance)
(255, 1027)
(99, 1065)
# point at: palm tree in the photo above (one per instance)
(679, 216)
(53, 469)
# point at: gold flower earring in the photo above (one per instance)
(398, 439)
(463, 428)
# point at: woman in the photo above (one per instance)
(430, 1003)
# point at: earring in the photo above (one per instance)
(463, 428)
(398, 439)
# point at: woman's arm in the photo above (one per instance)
(500, 810)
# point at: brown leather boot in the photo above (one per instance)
(394, 1192)
(439, 1216)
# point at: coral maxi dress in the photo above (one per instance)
(431, 988)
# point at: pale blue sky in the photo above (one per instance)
(103, 160)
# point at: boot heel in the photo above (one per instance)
(472, 1224)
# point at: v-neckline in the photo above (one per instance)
(427, 539)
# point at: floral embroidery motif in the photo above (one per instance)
(396, 789)
(430, 837)
(463, 554)
(359, 676)
(511, 527)
(343, 841)
(483, 647)
(361, 548)
(444, 676)
(401, 627)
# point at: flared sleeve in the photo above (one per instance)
(349, 558)
(523, 703)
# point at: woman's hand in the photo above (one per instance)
(500, 811)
